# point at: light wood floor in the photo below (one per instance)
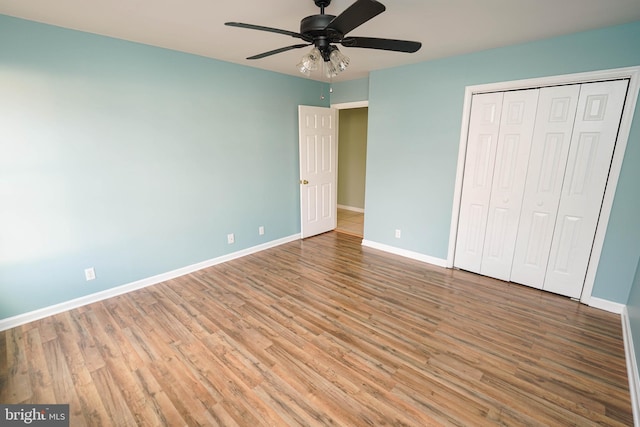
(324, 332)
(350, 222)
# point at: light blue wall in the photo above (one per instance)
(350, 91)
(134, 160)
(633, 309)
(137, 160)
(415, 116)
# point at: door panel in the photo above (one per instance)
(569, 231)
(318, 169)
(594, 136)
(512, 158)
(484, 126)
(549, 151)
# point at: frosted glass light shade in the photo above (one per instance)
(339, 60)
(310, 62)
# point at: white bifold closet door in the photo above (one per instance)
(500, 130)
(594, 137)
(547, 163)
(537, 223)
(512, 156)
(484, 126)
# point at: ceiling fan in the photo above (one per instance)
(323, 31)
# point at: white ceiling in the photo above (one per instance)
(445, 27)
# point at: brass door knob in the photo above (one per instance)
(305, 182)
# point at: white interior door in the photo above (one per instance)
(318, 169)
(512, 157)
(484, 126)
(549, 151)
(594, 136)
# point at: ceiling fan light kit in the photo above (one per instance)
(324, 31)
(336, 64)
(310, 62)
(339, 60)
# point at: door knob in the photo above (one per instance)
(305, 182)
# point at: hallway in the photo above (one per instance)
(350, 222)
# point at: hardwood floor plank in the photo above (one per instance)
(169, 376)
(4, 369)
(322, 332)
(18, 380)
(70, 359)
(66, 388)
(158, 399)
(228, 377)
(112, 398)
(116, 352)
(38, 371)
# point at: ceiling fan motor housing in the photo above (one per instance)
(316, 25)
(314, 30)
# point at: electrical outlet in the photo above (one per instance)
(231, 239)
(89, 273)
(398, 233)
(261, 230)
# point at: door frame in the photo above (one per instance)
(631, 73)
(349, 106)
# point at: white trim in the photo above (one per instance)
(349, 105)
(457, 193)
(21, 319)
(606, 305)
(350, 208)
(632, 367)
(564, 79)
(612, 182)
(633, 74)
(405, 253)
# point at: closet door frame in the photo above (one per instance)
(631, 73)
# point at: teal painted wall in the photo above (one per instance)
(137, 160)
(350, 91)
(352, 156)
(633, 309)
(415, 115)
(134, 160)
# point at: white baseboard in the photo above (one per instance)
(350, 208)
(405, 253)
(603, 304)
(21, 319)
(632, 367)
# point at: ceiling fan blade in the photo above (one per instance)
(355, 15)
(261, 28)
(273, 52)
(382, 44)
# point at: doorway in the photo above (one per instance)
(352, 150)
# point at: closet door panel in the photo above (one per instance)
(484, 126)
(549, 151)
(597, 120)
(512, 157)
